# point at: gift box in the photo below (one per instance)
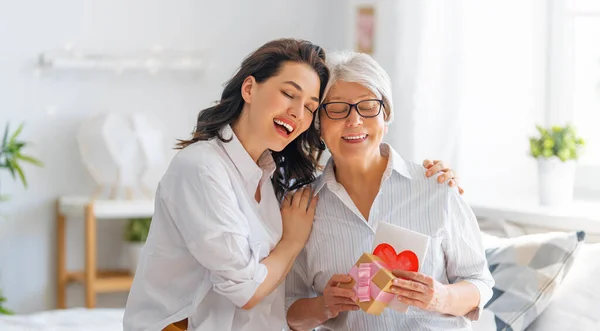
(371, 280)
(372, 277)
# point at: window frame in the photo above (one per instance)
(559, 88)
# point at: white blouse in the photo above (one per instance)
(208, 236)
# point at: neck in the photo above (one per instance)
(356, 176)
(247, 139)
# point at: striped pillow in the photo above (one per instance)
(527, 271)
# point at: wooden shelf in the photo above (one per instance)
(94, 281)
(106, 280)
(105, 208)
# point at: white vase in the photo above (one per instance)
(555, 181)
(134, 251)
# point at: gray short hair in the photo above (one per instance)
(354, 67)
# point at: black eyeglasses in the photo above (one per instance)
(365, 108)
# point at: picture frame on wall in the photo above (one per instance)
(365, 29)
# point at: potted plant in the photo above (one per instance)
(11, 157)
(3, 311)
(136, 233)
(556, 150)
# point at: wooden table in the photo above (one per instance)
(95, 281)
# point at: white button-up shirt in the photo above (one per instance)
(340, 235)
(208, 235)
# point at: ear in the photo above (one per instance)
(385, 128)
(247, 88)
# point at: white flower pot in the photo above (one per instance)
(555, 181)
(134, 251)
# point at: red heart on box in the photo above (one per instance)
(405, 260)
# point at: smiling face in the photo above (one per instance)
(281, 107)
(353, 138)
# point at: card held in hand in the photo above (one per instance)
(394, 248)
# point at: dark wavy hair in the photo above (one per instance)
(297, 162)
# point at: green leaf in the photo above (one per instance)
(11, 169)
(5, 311)
(20, 145)
(16, 167)
(547, 152)
(564, 154)
(137, 229)
(30, 159)
(13, 138)
(22, 176)
(4, 139)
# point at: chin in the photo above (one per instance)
(278, 146)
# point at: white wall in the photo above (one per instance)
(53, 106)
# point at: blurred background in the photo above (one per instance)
(471, 79)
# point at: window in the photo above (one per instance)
(574, 78)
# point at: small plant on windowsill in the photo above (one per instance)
(136, 233)
(557, 150)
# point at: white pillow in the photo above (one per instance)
(575, 303)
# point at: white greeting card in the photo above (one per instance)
(401, 239)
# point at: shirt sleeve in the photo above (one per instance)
(466, 259)
(298, 283)
(205, 211)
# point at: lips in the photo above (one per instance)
(355, 136)
(285, 123)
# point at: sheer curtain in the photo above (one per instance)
(469, 82)
(419, 45)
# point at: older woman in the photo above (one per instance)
(365, 183)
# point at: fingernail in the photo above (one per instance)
(428, 173)
(396, 282)
(355, 308)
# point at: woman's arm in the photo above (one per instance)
(308, 313)
(206, 213)
(465, 252)
(422, 291)
(470, 280)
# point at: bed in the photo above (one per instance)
(572, 306)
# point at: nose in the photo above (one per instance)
(296, 110)
(353, 119)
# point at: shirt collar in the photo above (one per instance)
(251, 172)
(395, 163)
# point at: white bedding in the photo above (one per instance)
(75, 319)
(569, 307)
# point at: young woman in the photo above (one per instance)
(223, 237)
(219, 246)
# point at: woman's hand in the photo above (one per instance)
(337, 299)
(297, 215)
(418, 290)
(436, 166)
